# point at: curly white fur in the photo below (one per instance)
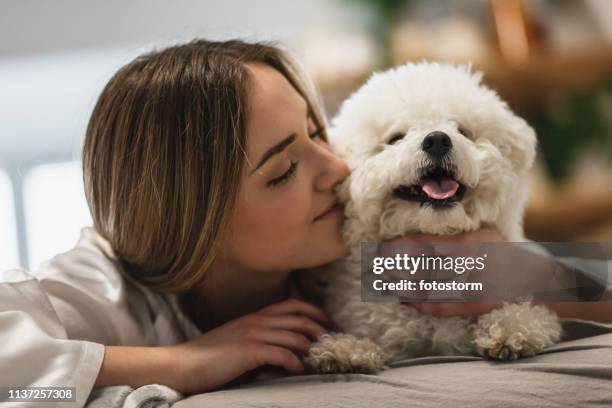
(491, 158)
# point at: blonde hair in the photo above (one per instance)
(163, 154)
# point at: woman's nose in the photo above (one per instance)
(334, 171)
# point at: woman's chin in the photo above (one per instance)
(334, 250)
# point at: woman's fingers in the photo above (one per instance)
(295, 323)
(296, 306)
(263, 354)
(284, 338)
(487, 233)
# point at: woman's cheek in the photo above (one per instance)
(302, 202)
(292, 204)
(294, 216)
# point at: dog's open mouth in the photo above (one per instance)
(438, 187)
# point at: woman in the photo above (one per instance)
(209, 178)
(227, 181)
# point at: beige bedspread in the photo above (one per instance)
(574, 373)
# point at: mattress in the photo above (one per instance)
(574, 373)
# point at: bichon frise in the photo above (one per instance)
(431, 150)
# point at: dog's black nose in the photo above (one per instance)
(436, 144)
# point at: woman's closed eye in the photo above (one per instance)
(313, 134)
(286, 176)
(291, 171)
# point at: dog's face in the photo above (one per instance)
(431, 150)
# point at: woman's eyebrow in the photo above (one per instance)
(277, 148)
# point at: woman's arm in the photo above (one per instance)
(275, 335)
(54, 327)
(597, 311)
(136, 366)
(36, 348)
(600, 311)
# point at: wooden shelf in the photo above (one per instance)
(523, 86)
(571, 214)
(547, 72)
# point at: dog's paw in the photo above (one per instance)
(515, 331)
(504, 349)
(345, 353)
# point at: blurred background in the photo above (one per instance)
(550, 59)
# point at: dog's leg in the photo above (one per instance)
(345, 353)
(516, 330)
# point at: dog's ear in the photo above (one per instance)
(522, 143)
(516, 140)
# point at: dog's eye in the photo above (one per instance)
(465, 132)
(396, 137)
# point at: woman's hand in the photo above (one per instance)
(441, 309)
(275, 335)
(486, 233)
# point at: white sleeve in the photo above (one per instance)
(55, 321)
(35, 348)
(93, 300)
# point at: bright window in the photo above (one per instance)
(55, 210)
(9, 255)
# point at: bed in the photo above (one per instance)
(574, 373)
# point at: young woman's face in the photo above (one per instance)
(286, 216)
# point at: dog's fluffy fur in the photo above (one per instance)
(492, 151)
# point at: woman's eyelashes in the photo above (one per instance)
(286, 176)
(292, 170)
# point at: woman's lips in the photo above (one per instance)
(334, 211)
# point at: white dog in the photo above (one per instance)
(431, 150)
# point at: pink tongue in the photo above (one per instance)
(440, 190)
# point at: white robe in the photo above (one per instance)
(55, 322)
